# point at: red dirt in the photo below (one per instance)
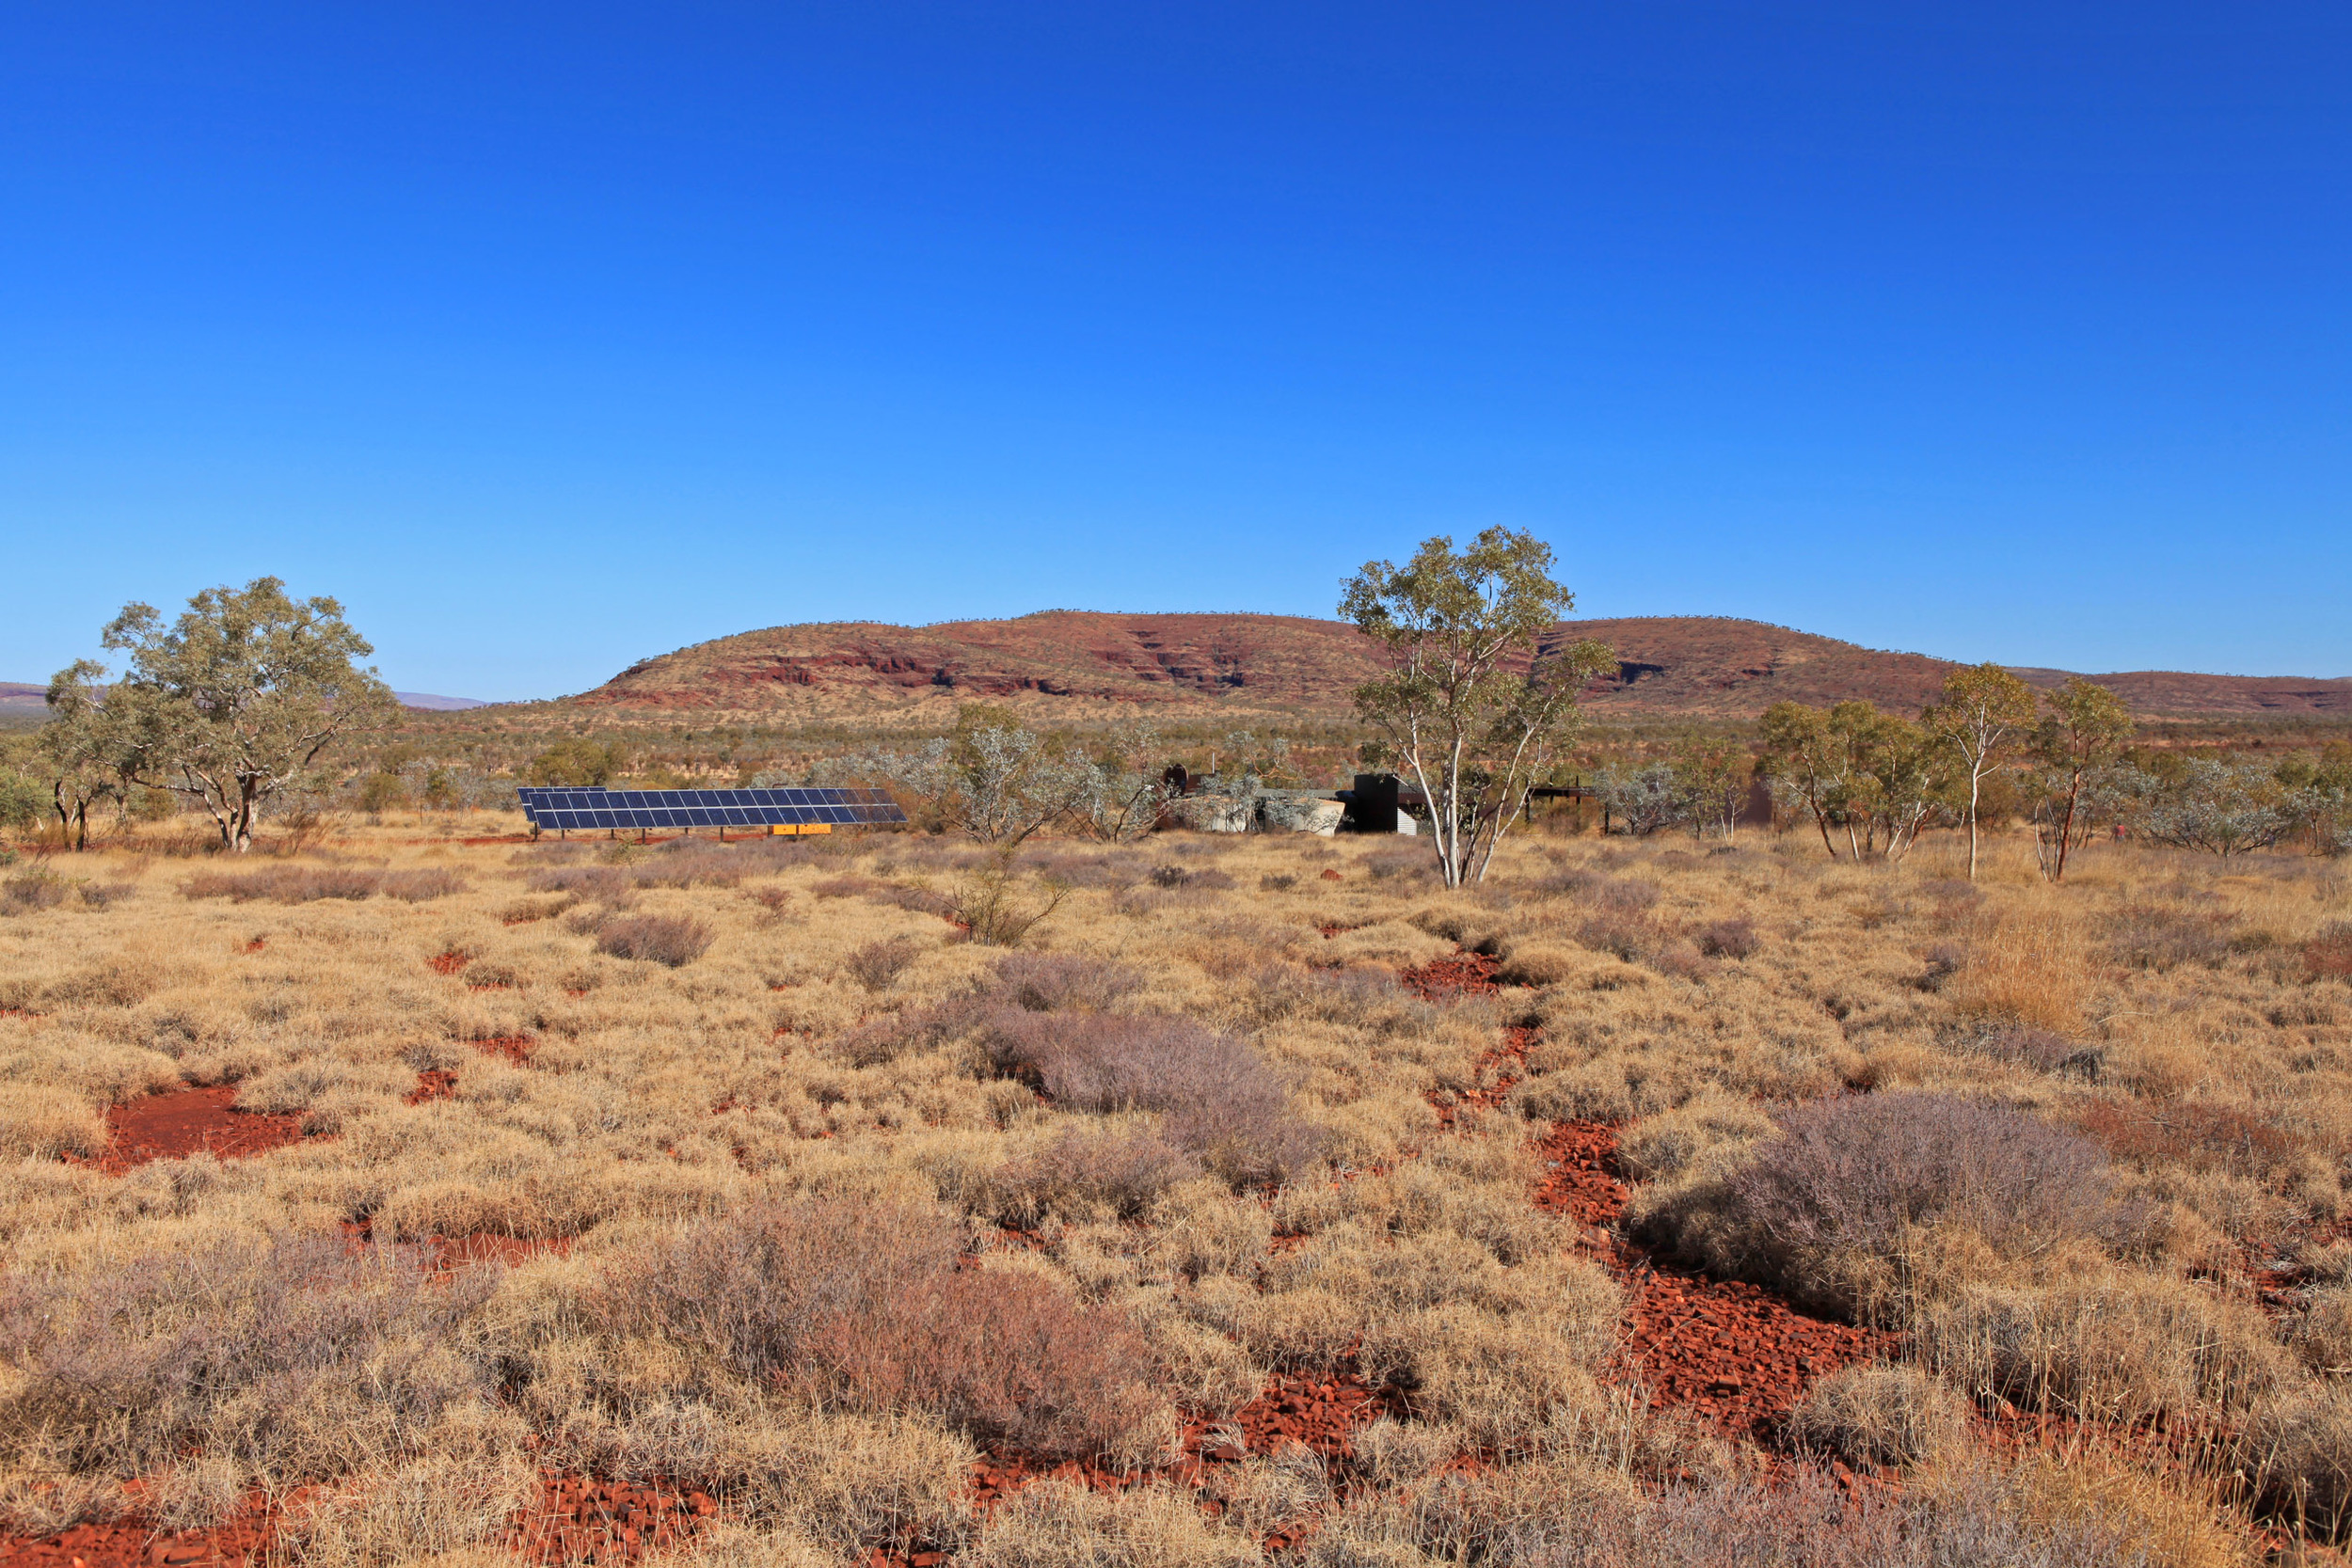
(433, 1084)
(515, 1048)
(1331, 876)
(133, 1543)
(580, 1519)
(1498, 1070)
(1443, 979)
(1732, 1354)
(173, 1126)
(448, 962)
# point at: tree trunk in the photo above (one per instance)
(2066, 828)
(1975, 778)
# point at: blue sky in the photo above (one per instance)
(550, 336)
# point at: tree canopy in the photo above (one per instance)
(235, 701)
(1473, 731)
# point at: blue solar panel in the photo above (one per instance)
(705, 808)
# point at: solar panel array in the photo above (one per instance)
(707, 808)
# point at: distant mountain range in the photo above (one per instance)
(1080, 662)
(19, 697)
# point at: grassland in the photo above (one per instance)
(1264, 1199)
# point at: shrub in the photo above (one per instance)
(417, 887)
(878, 963)
(1876, 1413)
(870, 1310)
(2328, 954)
(2107, 1347)
(1409, 860)
(291, 1359)
(100, 895)
(33, 889)
(683, 862)
(1823, 1209)
(989, 904)
(1217, 1098)
(922, 900)
(2306, 1459)
(675, 940)
(2205, 1138)
(1082, 1176)
(285, 884)
(1728, 938)
(1061, 982)
(2147, 936)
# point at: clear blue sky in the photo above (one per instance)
(550, 336)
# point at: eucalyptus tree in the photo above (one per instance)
(237, 701)
(1472, 706)
(1985, 717)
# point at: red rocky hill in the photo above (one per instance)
(1079, 663)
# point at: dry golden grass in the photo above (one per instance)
(832, 1045)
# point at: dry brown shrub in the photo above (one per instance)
(2323, 1336)
(417, 887)
(293, 1359)
(870, 1310)
(673, 940)
(2303, 1447)
(2190, 1135)
(1826, 1208)
(2328, 954)
(2041, 1050)
(2161, 937)
(1735, 938)
(1082, 1176)
(285, 884)
(1054, 1524)
(1064, 982)
(32, 890)
(1217, 1098)
(877, 963)
(1879, 1413)
(2110, 1347)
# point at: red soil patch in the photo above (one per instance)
(132, 1542)
(257, 945)
(1322, 1411)
(1734, 1355)
(515, 1048)
(580, 1519)
(450, 1252)
(18, 1012)
(1499, 1069)
(1443, 979)
(433, 1084)
(173, 1126)
(1331, 875)
(448, 962)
